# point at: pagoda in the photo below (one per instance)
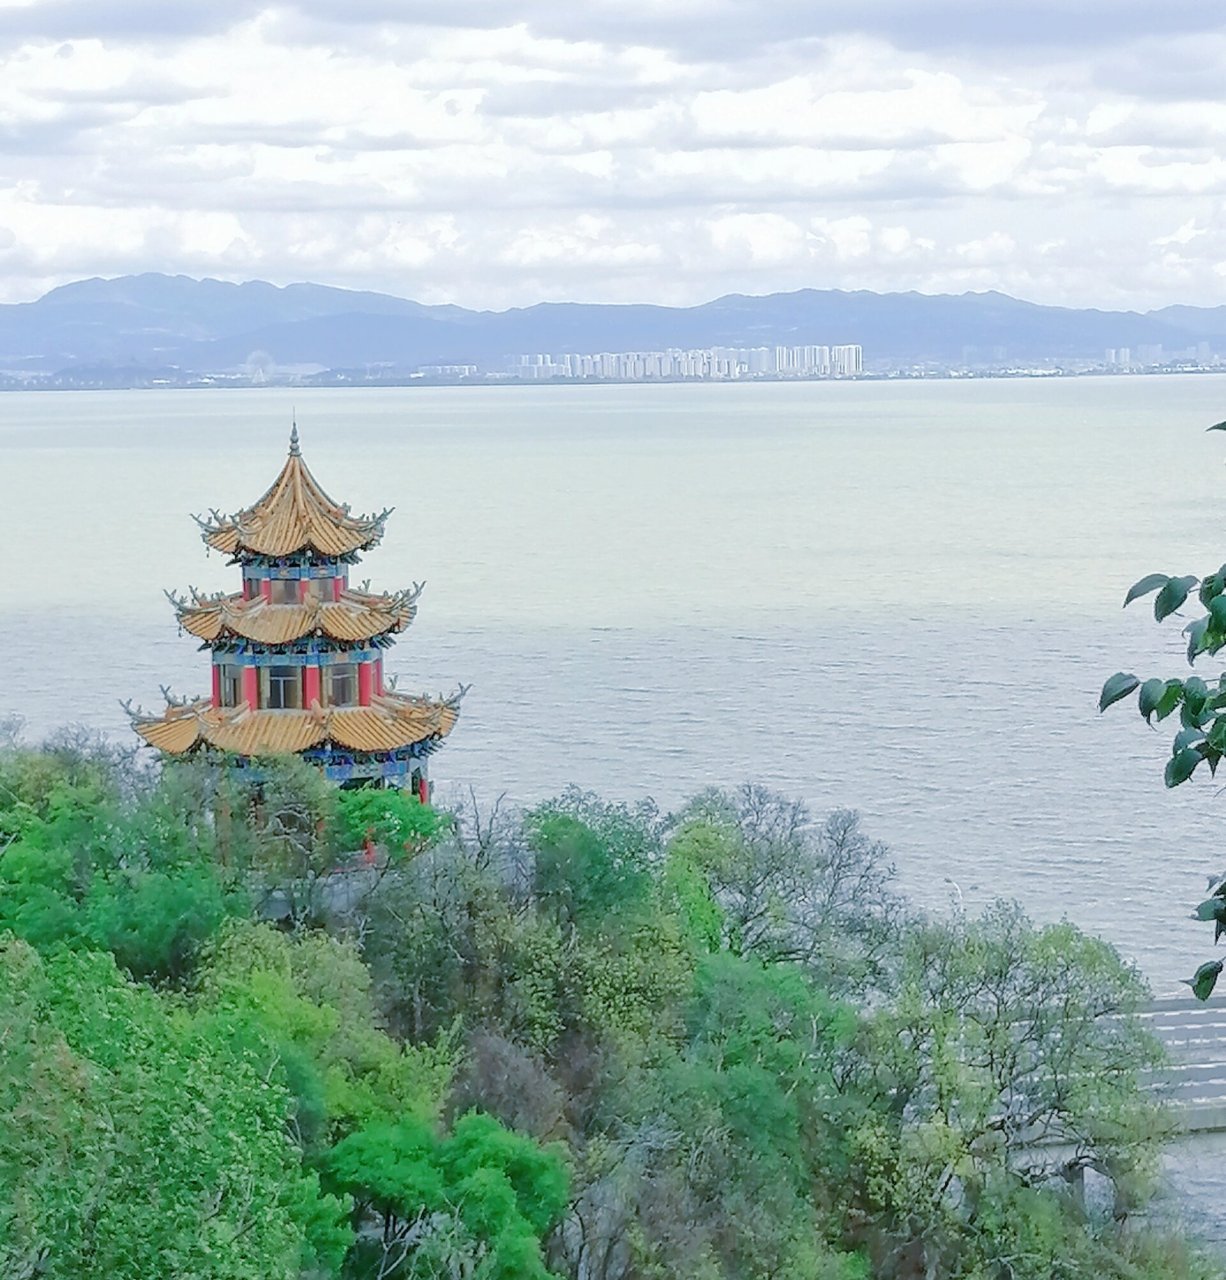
(297, 654)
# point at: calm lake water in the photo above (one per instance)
(897, 597)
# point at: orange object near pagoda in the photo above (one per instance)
(298, 653)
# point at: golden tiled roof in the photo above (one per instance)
(294, 515)
(393, 720)
(357, 615)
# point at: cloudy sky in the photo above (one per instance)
(501, 152)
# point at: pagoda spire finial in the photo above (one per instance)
(294, 450)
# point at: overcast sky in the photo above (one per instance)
(500, 152)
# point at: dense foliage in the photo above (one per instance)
(281, 1030)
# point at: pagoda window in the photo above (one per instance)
(283, 591)
(342, 684)
(282, 688)
(231, 684)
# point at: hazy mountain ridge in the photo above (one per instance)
(210, 326)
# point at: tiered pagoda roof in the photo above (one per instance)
(391, 722)
(357, 615)
(294, 516)
(273, 694)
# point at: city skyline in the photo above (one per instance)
(147, 329)
(721, 362)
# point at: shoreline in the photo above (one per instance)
(221, 382)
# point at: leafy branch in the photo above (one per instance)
(1200, 704)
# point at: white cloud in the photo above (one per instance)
(765, 239)
(849, 238)
(1183, 234)
(998, 247)
(497, 154)
(899, 242)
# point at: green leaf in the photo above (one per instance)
(1172, 596)
(1211, 588)
(1195, 691)
(1195, 631)
(1201, 699)
(1186, 737)
(1172, 695)
(1204, 979)
(1180, 767)
(1191, 719)
(1211, 909)
(1217, 426)
(1118, 686)
(1151, 582)
(1217, 610)
(1149, 697)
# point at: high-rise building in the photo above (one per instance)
(807, 361)
(846, 361)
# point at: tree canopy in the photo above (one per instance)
(264, 1028)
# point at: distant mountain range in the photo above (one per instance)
(206, 326)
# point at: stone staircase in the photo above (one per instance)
(1194, 1034)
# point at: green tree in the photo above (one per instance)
(594, 861)
(710, 1155)
(89, 861)
(782, 887)
(1005, 1056)
(279, 829)
(139, 1140)
(155, 922)
(476, 1202)
(761, 1065)
(391, 818)
(555, 927)
(446, 937)
(309, 997)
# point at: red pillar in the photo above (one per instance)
(251, 687)
(216, 684)
(310, 686)
(338, 585)
(266, 588)
(364, 683)
(423, 789)
(378, 679)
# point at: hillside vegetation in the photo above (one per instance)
(287, 1031)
